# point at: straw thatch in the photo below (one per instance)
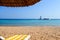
(17, 3)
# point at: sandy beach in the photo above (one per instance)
(37, 33)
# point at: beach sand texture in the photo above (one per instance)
(37, 33)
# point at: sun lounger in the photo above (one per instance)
(19, 37)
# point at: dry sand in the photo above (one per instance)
(37, 33)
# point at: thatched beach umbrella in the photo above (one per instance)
(17, 3)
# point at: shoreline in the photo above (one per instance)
(36, 32)
(31, 26)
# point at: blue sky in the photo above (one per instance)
(45, 8)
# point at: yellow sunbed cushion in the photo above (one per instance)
(19, 37)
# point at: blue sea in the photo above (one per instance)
(28, 22)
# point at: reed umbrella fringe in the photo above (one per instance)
(17, 3)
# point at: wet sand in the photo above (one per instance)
(37, 33)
